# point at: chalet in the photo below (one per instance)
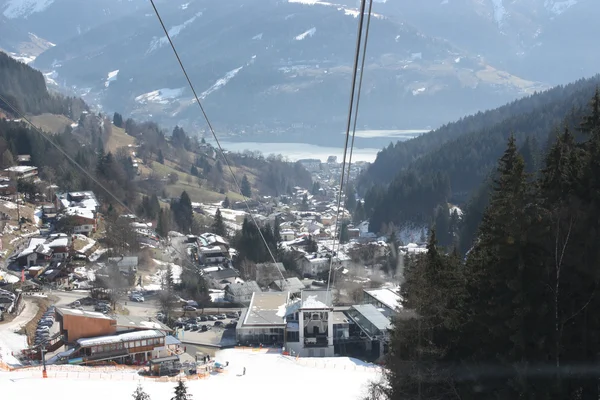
(215, 254)
(242, 292)
(221, 277)
(82, 207)
(292, 285)
(22, 171)
(126, 265)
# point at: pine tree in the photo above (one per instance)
(218, 225)
(118, 120)
(508, 312)
(159, 157)
(169, 278)
(181, 391)
(139, 394)
(245, 187)
(226, 203)
(304, 205)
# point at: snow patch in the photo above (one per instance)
(24, 58)
(311, 2)
(157, 43)
(112, 76)
(559, 7)
(499, 11)
(354, 13)
(457, 60)
(160, 96)
(258, 37)
(24, 8)
(221, 82)
(184, 6)
(309, 32)
(418, 91)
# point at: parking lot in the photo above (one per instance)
(219, 335)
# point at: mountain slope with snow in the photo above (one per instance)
(268, 65)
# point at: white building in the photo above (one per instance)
(384, 299)
(309, 325)
(241, 292)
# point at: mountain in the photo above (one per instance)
(275, 67)
(25, 89)
(438, 172)
(523, 36)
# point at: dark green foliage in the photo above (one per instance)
(163, 225)
(183, 213)
(304, 204)
(517, 319)
(250, 245)
(245, 187)
(350, 201)
(464, 152)
(312, 246)
(344, 236)
(226, 202)
(25, 89)
(160, 158)
(139, 394)
(218, 225)
(315, 188)
(118, 120)
(181, 391)
(194, 171)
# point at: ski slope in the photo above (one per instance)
(268, 376)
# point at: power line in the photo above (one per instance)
(212, 131)
(362, 70)
(354, 75)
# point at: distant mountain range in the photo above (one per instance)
(281, 70)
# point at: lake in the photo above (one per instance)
(368, 143)
(298, 151)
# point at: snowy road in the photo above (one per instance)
(11, 342)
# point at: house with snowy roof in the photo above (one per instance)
(384, 299)
(81, 207)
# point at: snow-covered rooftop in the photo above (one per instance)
(386, 297)
(124, 337)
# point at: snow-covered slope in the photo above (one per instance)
(266, 66)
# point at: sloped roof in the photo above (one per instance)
(243, 288)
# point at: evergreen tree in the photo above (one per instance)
(218, 225)
(194, 171)
(315, 188)
(181, 391)
(118, 120)
(344, 236)
(139, 393)
(276, 230)
(163, 225)
(226, 203)
(245, 187)
(159, 157)
(304, 205)
(359, 213)
(350, 203)
(183, 212)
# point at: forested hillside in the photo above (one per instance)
(462, 154)
(517, 318)
(539, 107)
(25, 88)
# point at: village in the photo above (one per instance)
(68, 298)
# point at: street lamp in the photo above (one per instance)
(44, 373)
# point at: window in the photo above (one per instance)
(144, 343)
(137, 343)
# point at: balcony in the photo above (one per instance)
(316, 341)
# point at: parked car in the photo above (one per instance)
(232, 315)
(203, 328)
(138, 299)
(189, 308)
(221, 316)
(218, 323)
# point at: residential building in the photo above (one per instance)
(213, 254)
(242, 292)
(221, 277)
(292, 285)
(126, 265)
(82, 207)
(387, 300)
(22, 171)
(287, 235)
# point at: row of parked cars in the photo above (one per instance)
(195, 324)
(42, 334)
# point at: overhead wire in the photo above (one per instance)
(360, 81)
(347, 139)
(212, 131)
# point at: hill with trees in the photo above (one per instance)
(450, 164)
(515, 318)
(25, 88)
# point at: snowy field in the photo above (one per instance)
(268, 376)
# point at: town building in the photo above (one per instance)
(22, 172)
(309, 321)
(81, 207)
(242, 292)
(387, 300)
(292, 285)
(263, 322)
